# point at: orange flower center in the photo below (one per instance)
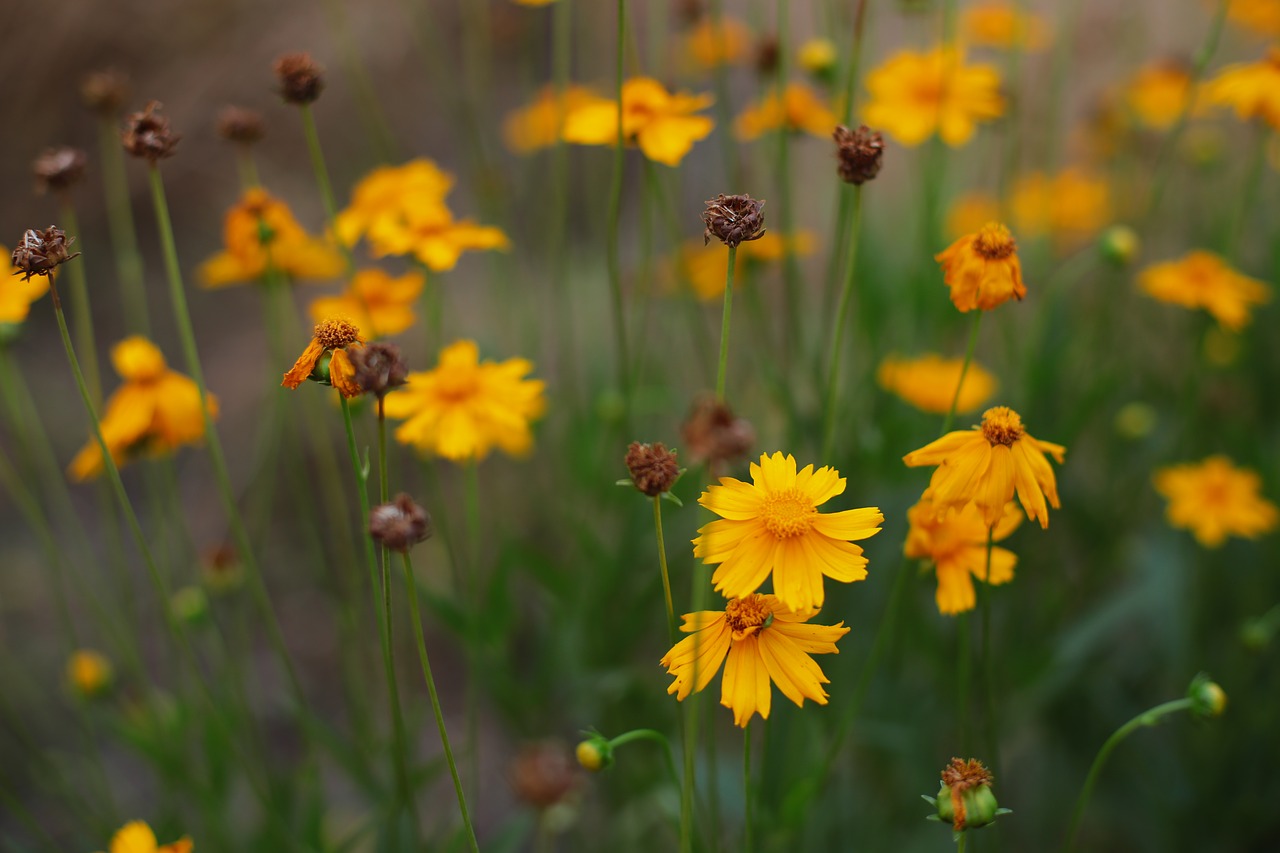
(994, 242)
(1002, 425)
(747, 615)
(788, 513)
(336, 333)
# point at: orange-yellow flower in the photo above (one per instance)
(818, 57)
(1202, 279)
(764, 641)
(374, 301)
(540, 124)
(772, 524)
(929, 382)
(1158, 94)
(384, 193)
(1214, 499)
(1252, 89)
(429, 232)
(915, 95)
(704, 267)
(1071, 204)
(17, 294)
(997, 23)
(332, 337)
(259, 233)
(1261, 17)
(969, 212)
(982, 270)
(89, 672)
(137, 837)
(709, 45)
(464, 408)
(798, 109)
(955, 541)
(664, 125)
(155, 411)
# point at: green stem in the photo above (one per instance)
(988, 666)
(83, 318)
(964, 370)
(964, 657)
(318, 165)
(247, 167)
(748, 817)
(1248, 194)
(124, 236)
(472, 501)
(841, 321)
(613, 249)
(722, 369)
(653, 735)
(561, 50)
(383, 483)
(662, 562)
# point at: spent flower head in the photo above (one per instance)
(859, 153)
(59, 169)
(379, 367)
(733, 219)
(147, 134)
(105, 91)
(965, 799)
(653, 467)
(240, 125)
(400, 524)
(712, 433)
(301, 79)
(41, 252)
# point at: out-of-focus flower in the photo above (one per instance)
(998, 23)
(705, 267)
(859, 154)
(798, 109)
(137, 837)
(543, 774)
(429, 232)
(970, 211)
(147, 134)
(955, 541)
(1261, 17)
(982, 270)
(105, 91)
(929, 382)
(384, 194)
(379, 368)
(818, 57)
(59, 169)
(1202, 279)
(540, 124)
(332, 337)
(915, 95)
(1214, 499)
(260, 233)
(1252, 89)
(1120, 245)
(711, 43)
(17, 295)
(377, 303)
(662, 124)
(714, 434)
(1069, 205)
(240, 125)
(155, 411)
(533, 2)
(400, 524)
(1158, 93)
(89, 672)
(300, 77)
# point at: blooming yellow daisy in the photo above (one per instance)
(997, 23)
(1069, 205)
(17, 294)
(540, 124)
(332, 336)
(970, 211)
(799, 109)
(1214, 499)
(710, 44)
(773, 525)
(1261, 17)
(374, 301)
(982, 270)
(137, 837)
(986, 464)
(763, 640)
(663, 124)
(1251, 89)
(1202, 279)
(427, 230)
(915, 95)
(955, 541)
(386, 191)
(929, 382)
(259, 232)
(1158, 93)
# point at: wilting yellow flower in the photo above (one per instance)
(986, 464)
(970, 211)
(386, 191)
(817, 56)
(155, 411)
(915, 95)
(706, 267)
(332, 337)
(89, 672)
(955, 541)
(137, 837)
(429, 232)
(465, 407)
(1068, 205)
(764, 640)
(374, 301)
(1158, 93)
(773, 525)
(998, 23)
(709, 46)
(799, 109)
(1214, 499)
(260, 232)
(929, 382)
(1252, 90)
(539, 125)
(1202, 279)
(1258, 16)
(17, 294)
(982, 269)
(662, 124)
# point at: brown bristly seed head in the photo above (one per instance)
(58, 169)
(733, 219)
(399, 525)
(543, 774)
(961, 775)
(379, 367)
(336, 333)
(859, 154)
(39, 252)
(712, 432)
(768, 55)
(653, 468)
(240, 125)
(301, 78)
(105, 91)
(147, 134)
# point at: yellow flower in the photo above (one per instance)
(332, 336)
(764, 641)
(982, 269)
(985, 465)
(705, 267)
(386, 191)
(374, 301)
(137, 837)
(999, 24)
(955, 541)
(710, 46)
(17, 294)
(1214, 499)
(1158, 93)
(929, 382)
(817, 56)
(969, 212)
(259, 232)
(429, 232)
(915, 95)
(662, 124)
(465, 407)
(1258, 16)
(1071, 204)
(89, 672)
(799, 109)
(1202, 279)
(539, 125)
(1252, 90)
(155, 411)
(773, 525)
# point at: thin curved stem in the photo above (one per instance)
(964, 370)
(988, 680)
(723, 367)
(841, 321)
(615, 221)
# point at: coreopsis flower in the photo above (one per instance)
(772, 524)
(711, 43)
(377, 303)
(915, 95)
(260, 233)
(998, 23)
(1252, 89)
(705, 267)
(965, 799)
(733, 219)
(982, 270)
(1203, 279)
(970, 211)
(332, 337)
(1214, 499)
(155, 411)
(1069, 205)
(1261, 17)
(39, 253)
(17, 295)
(760, 639)
(929, 382)
(653, 468)
(137, 837)
(664, 125)
(384, 193)
(89, 673)
(955, 541)
(540, 124)
(1157, 94)
(464, 408)
(428, 231)
(797, 109)
(987, 464)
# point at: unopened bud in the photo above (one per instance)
(1119, 245)
(595, 753)
(190, 605)
(1207, 698)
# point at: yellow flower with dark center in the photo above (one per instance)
(1202, 279)
(1214, 499)
(1261, 17)
(331, 337)
(799, 109)
(374, 301)
(384, 193)
(929, 382)
(772, 524)
(662, 124)
(969, 212)
(16, 293)
(540, 124)
(915, 95)
(1158, 93)
(704, 266)
(259, 233)
(464, 408)
(155, 411)
(1069, 205)
(1252, 89)
(137, 837)
(429, 232)
(711, 44)
(998, 23)
(985, 465)
(89, 672)
(763, 641)
(955, 541)
(982, 270)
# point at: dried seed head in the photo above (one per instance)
(336, 333)
(965, 799)
(543, 774)
(240, 125)
(712, 433)
(733, 219)
(105, 91)
(147, 134)
(399, 525)
(57, 169)
(39, 252)
(653, 468)
(301, 79)
(768, 55)
(860, 154)
(379, 368)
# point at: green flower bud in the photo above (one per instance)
(1119, 245)
(1135, 420)
(190, 605)
(595, 754)
(1207, 698)
(965, 799)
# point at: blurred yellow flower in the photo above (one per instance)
(1202, 279)
(155, 411)
(984, 466)
(955, 541)
(17, 294)
(1252, 90)
(772, 524)
(89, 672)
(539, 125)
(764, 641)
(137, 837)
(982, 270)
(709, 46)
(928, 382)
(998, 23)
(970, 211)
(464, 408)
(1214, 499)
(915, 95)
(1069, 205)
(386, 191)
(798, 109)
(664, 125)
(817, 56)
(1261, 17)
(1158, 93)
(374, 301)
(705, 267)
(429, 232)
(260, 232)
(332, 336)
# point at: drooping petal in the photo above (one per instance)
(745, 685)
